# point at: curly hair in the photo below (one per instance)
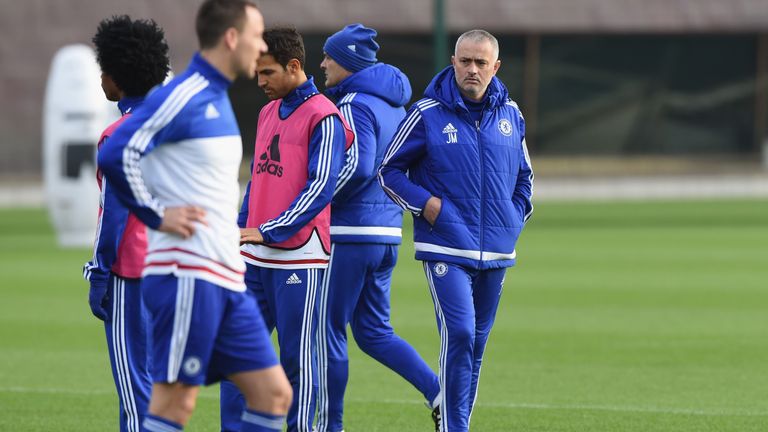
(284, 44)
(133, 53)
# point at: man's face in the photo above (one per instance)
(250, 44)
(475, 64)
(334, 73)
(274, 79)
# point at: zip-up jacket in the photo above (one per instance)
(298, 154)
(183, 147)
(371, 101)
(121, 239)
(481, 172)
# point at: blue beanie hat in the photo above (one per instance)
(353, 47)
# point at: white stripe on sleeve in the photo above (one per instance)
(353, 152)
(138, 143)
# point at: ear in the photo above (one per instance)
(496, 66)
(453, 60)
(231, 38)
(293, 66)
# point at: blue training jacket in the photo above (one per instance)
(481, 172)
(371, 101)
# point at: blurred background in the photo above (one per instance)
(639, 302)
(657, 88)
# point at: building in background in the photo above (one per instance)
(598, 78)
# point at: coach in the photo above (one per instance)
(459, 164)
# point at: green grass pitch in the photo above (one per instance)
(619, 317)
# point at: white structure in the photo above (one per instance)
(74, 115)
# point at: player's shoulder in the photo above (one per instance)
(361, 104)
(513, 105)
(424, 104)
(322, 101)
(187, 89)
(114, 125)
(319, 106)
(353, 98)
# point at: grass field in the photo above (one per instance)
(619, 317)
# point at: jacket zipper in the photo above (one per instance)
(482, 181)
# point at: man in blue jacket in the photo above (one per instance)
(365, 227)
(459, 164)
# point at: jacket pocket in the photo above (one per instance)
(447, 214)
(450, 227)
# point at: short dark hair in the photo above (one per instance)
(132, 52)
(284, 44)
(478, 35)
(215, 16)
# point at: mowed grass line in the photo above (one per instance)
(619, 317)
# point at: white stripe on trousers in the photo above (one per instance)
(122, 367)
(305, 353)
(322, 348)
(443, 350)
(185, 296)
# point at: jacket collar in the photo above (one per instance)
(216, 79)
(129, 103)
(297, 96)
(381, 80)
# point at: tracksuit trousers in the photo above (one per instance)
(126, 330)
(465, 302)
(356, 292)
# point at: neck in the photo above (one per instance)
(344, 75)
(219, 60)
(301, 78)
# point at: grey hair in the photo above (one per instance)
(478, 35)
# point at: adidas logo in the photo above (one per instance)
(270, 159)
(211, 112)
(352, 48)
(274, 150)
(449, 129)
(293, 279)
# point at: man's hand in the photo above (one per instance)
(97, 299)
(251, 235)
(181, 220)
(432, 209)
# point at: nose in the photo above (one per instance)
(322, 64)
(471, 66)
